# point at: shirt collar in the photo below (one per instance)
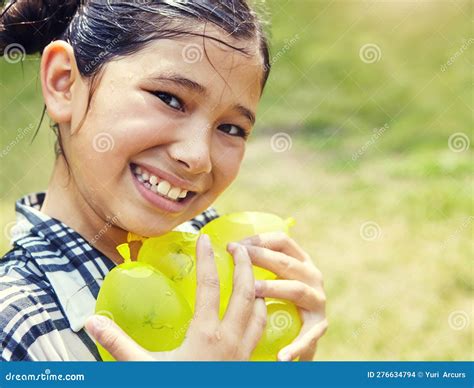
(73, 267)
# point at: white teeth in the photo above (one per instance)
(174, 193)
(164, 187)
(153, 180)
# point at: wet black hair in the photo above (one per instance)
(102, 30)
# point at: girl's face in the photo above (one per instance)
(165, 132)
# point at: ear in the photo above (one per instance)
(58, 75)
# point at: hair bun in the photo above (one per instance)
(33, 24)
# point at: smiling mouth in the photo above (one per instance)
(160, 186)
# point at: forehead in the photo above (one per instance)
(224, 71)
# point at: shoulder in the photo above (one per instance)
(29, 313)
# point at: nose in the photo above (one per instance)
(193, 152)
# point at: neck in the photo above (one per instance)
(65, 202)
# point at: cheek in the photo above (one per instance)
(226, 165)
(137, 125)
(117, 129)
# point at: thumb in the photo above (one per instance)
(107, 333)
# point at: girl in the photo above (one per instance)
(152, 103)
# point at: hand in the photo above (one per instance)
(299, 281)
(207, 338)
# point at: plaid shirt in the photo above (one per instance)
(49, 283)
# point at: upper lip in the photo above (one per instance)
(172, 179)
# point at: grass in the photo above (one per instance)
(389, 298)
(407, 293)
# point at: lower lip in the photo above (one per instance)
(159, 201)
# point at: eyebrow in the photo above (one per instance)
(200, 89)
(245, 112)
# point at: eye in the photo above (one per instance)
(169, 99)
(233, 130)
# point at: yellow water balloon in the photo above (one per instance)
(152, 299)
(146, 305)
(237, 226)
(283, 326)
(283, 320)
(174, 254)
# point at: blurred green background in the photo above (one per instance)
(363, 136)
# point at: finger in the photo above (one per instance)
(282, 265)
(295, 291)
(304, 344)
(255, 327)
(308, 353)
(242, 299)
(277, 241)
(208, 286)
(107, 333)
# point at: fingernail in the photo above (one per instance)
(284, 356)
(205, 238)
(93, 324)
(98, 322)
(258, 288)
(232, 246)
